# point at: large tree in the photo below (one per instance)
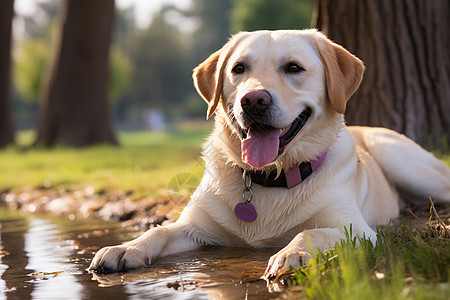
(405, 46)
(6, 127)
(75, 105)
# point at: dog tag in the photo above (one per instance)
(245, 211)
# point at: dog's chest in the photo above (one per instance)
(280, 212)
(279, 216)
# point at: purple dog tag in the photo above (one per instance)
(245, 211)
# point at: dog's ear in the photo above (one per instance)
(343, 71)
(208, 76)
(208, 81)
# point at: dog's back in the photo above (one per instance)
(415, 172)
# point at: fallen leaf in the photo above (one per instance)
(46, 273)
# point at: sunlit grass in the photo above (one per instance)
(445, 159)
(403, 264)
(145, 162)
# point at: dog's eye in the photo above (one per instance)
(293, 68)
(238, 68)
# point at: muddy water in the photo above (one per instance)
(46, 258)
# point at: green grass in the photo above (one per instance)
(445, 159)
(403, 264)
(145, 162)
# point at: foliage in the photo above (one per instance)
(41, 22)
(162, 76)
(404, 264)
(32, 60)
(213, 27)
(124, 27)
(120, 73)
(29, 66)
(158, 58)
(271, 14)
(32, 53)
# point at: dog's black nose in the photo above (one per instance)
(256, 101)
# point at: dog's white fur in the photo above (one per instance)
(356, 185)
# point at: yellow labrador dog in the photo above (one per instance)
(282, 169)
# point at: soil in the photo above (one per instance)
(129, 208)
(133, 210)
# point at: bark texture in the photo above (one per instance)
(75, 108)
(405, 47)
(6, 126)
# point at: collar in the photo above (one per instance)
(293, 177)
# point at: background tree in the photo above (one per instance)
(161, 75)
(213, 29)
(75, 105)
(6, 127)
(271, 14)
(404, 45)
(33, 50)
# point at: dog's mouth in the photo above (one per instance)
(261, 144)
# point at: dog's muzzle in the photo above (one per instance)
(261, 142)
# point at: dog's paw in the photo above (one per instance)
(119, 258)
(286, 257)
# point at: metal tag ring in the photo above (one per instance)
(246, 180)
(247, 199)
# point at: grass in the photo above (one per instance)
(403, 264)
(145, 162)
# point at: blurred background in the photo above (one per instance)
(76, 72)
(154, 47)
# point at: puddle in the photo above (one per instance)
(47, 257)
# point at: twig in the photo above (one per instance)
(412, 214)
(435, 212)
(181, 283)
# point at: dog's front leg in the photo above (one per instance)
(302, 248)
(142, 251)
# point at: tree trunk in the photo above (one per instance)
(405, 47)
(6, 127)
(75, 108)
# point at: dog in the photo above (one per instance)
(282, 169)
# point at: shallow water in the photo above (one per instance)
(46, 258)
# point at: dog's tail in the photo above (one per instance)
(414, 171)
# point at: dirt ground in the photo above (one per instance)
(141, 213)
(128, 208)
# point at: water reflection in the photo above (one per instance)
(209, 273)
(40, 258)
(14, 259)
(46, 258)
(52, 273)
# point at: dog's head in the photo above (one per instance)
(283, 93)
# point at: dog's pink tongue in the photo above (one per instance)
(260, 148)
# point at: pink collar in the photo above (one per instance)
(293, 177)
